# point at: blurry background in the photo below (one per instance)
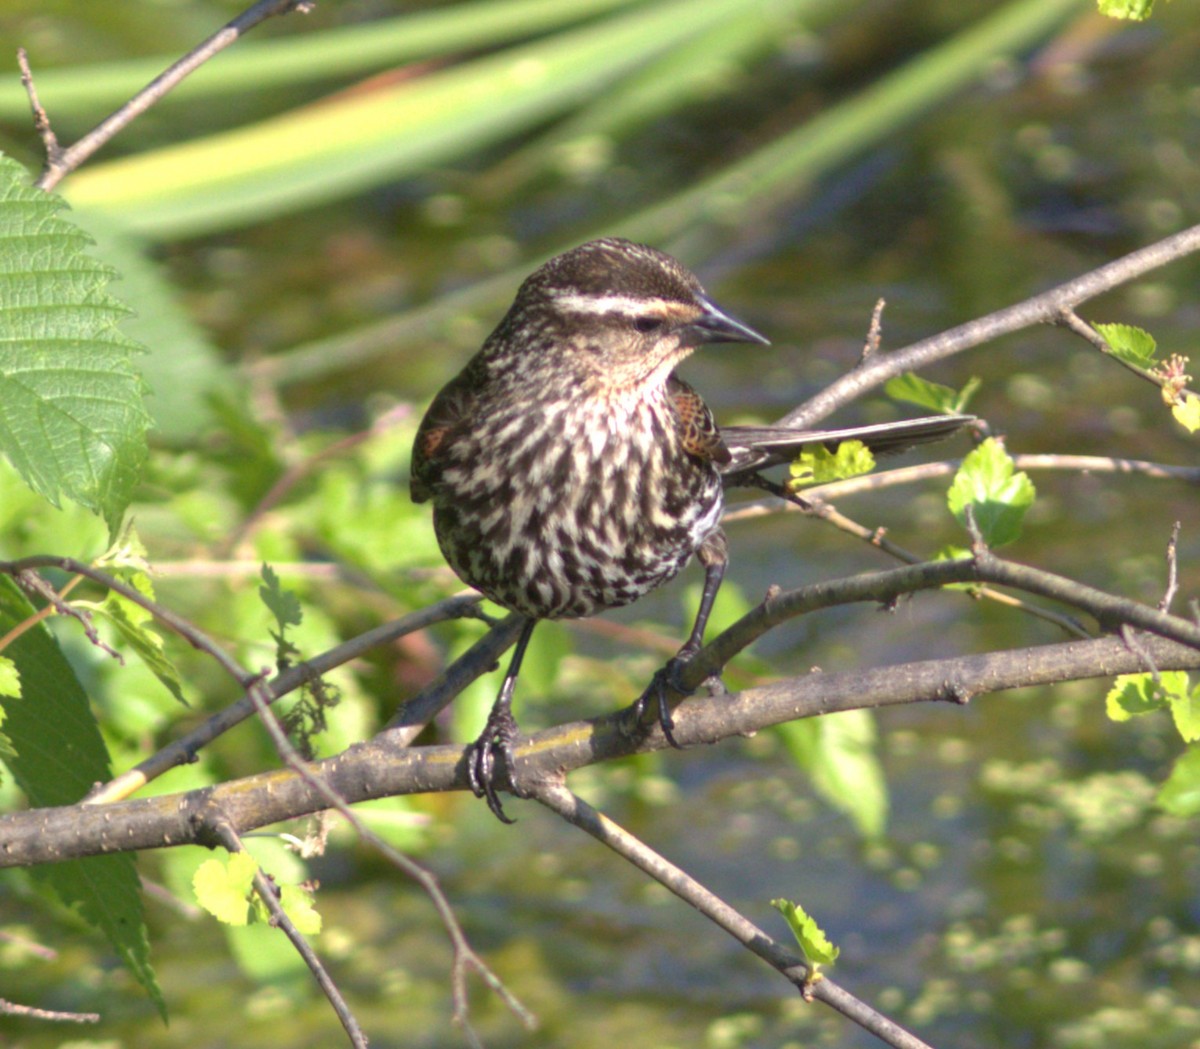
(339, 209)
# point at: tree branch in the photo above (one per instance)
(1046, 308)
(384, 766)
(61, 162)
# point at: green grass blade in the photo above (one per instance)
(253, 65)
(361, 139)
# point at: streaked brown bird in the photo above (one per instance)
(571, 471)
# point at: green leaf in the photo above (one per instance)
(1185, 712)
(10, 679)
(1128, 343)
(1137, 10)
(839, 753)
(225, 889)
(72, 420)
(297, 904)
(816, 464)
(809, 935)
(57, 755)
(1132, 695)
(1180, 794)
(134, 624)
(1187, 412)
(933, 395)
(999, 495)
(1136, 694)
(284, 605)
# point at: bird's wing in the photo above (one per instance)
(696, 426)
(759, 447)
(448, 409)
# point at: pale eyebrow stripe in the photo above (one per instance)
(574, 302)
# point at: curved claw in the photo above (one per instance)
(497, 737)
(666, 679)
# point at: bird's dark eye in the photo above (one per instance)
(647, 323)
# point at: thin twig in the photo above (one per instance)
(31, 1012)
(1172, 569)
(874, 332)
(61, 162)
(220, 826)
(580, 814)
(1040, 309)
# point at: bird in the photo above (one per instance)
(571, 471)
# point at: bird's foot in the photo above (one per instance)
(497, 738)
(666, 679)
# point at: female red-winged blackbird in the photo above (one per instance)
(571, 471)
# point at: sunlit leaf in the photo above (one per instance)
(1129, 343)
(816, 464)
(809, 935)
(1187, 412)
(998, 494)
(224, 889)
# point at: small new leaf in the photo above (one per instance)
(134, 624)
(933, 395)
(1187, 412)
(1128, 343)
(297, 904)
(999, 494)
(809, 935)
(816, 464)
(225, 890)
(1136, 694)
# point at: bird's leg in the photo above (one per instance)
(498, 734)
(713, 553)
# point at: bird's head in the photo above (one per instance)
(615, 312)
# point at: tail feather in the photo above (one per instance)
(760, 447)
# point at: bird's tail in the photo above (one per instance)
(760, 447)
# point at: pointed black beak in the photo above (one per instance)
(715, 325)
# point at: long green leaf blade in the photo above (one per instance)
(57, 754)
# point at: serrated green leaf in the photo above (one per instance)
(10, 678)
(1187, 412)
(839, 753)
(225, 889)
(816, 464)
(1180, 794)
(1136, 10)
(298, 905)
(134, 624)
(933, 395)
(284, 605)
(809, 935)
(57, 754)
(1129, 343)
(1000, 496)
(72, 420)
